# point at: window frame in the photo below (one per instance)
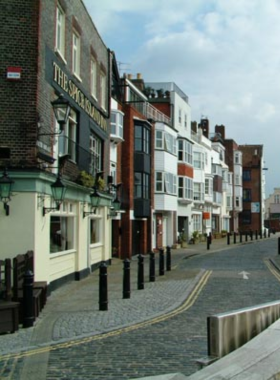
(142, 188)
(67, 213)
(142, 138)
(76, 54)
(93, 78)
(95, 220)
(96, 154)
(60, 31)
(67, 140)
(103, 92)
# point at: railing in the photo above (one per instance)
(150, 112)
(156, 115)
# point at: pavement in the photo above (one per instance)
(72, 311)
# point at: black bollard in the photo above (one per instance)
(240, 237)
(28, 301)
(161, 262)
(140, 277)
(208, 240)
(103, 287)
(228, 238)
(278, 246)
(152, 274)
(168, 258)
(126, 279)
(234, 238)
(8, 271)
(269, 232)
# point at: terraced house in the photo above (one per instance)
(54, 144)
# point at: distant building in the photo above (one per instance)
(233, 158)
(252, 216)
(272, 210)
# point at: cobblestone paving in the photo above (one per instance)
(174, 344)
(167, 346)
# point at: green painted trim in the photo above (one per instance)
(40, 182)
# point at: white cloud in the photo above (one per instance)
(224, 54)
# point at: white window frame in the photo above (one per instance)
(186, 151)
(209, 186)
(65, 236)
(93, 78)
(159, 140)
(197, 222)
(117, 123)
(60, 31)
(185, 187)
(198, 160)
(95, 149)
(76, 54)
(68, 138)
(198, 191)
(103, 90)
(186, 121)
(95, 234)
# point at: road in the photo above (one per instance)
(172, 345)
(234, 278)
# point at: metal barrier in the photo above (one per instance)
(229, 331)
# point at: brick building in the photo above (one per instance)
(252, 216)
(51, 48)
(132, 229)
(233, 158)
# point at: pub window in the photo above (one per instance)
(95, 231)
(60, 31)
(68, 138)
(103, 90)
(95, 149)
(76, 53)
(61, 233)
(93, 77)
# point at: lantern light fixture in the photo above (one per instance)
(94, 202)
(58, 193)
(61, 108)
(5, 190)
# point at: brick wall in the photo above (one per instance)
(19, 41)
(28, 30)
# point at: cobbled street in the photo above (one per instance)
(171, 344)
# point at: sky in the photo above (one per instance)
(223, 54)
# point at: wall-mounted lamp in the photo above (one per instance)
(5, 190)
(94, 202)
(116, 204)
(61, 109)
(58, 192)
